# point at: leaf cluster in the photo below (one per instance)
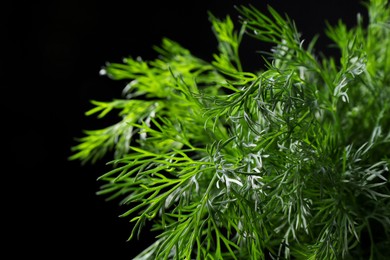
(287, 162)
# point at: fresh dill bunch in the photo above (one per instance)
(287, 162)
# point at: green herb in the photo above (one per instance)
(287, 162)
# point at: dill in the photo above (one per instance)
(287, 162)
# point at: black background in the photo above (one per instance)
(51, 56)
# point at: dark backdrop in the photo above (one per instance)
(50, 70)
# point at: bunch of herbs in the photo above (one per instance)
(287, 162)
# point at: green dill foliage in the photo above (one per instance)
(287, 162)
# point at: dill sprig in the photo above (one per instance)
(287, 162)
